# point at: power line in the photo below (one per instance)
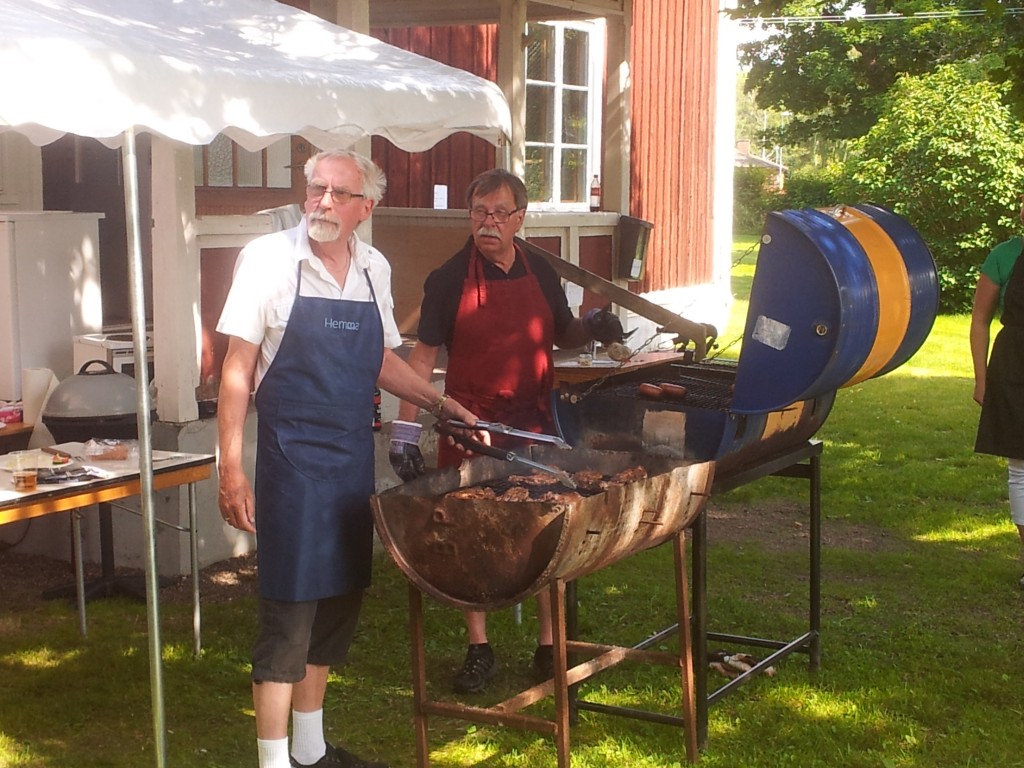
(753, 21)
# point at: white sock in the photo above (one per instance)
(1016, 490)
(273, 753)
(308, 744)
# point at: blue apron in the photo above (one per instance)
(314, 454)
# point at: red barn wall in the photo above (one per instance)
(674, 50)
(454, 161)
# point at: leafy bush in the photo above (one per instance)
(811, 188)
(947, 155)
(753, 196)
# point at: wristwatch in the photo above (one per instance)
(437, 408)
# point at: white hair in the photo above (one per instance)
(374, 181)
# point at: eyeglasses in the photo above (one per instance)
(479, 215)
(338, 196)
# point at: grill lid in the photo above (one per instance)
(96, 391)
(838, 296)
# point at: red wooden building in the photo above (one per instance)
(649, 132)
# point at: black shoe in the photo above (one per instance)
(477, 669)
(337, 757)
(543, 663)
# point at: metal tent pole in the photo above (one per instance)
(143, 408)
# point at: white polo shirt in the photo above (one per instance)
(263, 289)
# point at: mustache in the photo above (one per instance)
(325, 217)
(488, 232)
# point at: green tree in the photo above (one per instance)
(753, 197)
(1011, 71)
(947, 154)
(833, 74)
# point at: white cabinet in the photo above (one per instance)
(49, 291)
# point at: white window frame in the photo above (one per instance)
(271, 165)
(595, 82)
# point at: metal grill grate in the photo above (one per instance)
(707, 393)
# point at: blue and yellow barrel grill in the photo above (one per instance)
(839, 296)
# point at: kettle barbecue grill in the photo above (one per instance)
(97, 403)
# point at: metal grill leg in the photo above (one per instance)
(560, 680)
(685, 647)
(419, 676)
(815, 586)
(699, 553)
(572, 632)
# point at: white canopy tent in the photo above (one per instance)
(188, 70)
(254, 70)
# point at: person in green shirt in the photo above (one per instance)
(999, 374)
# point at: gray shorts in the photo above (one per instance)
(292, 635)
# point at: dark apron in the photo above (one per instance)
(500, 363)
(314, 455)
(1001, 426)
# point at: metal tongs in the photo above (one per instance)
(470, 444)
(503, 429)
(72, 475)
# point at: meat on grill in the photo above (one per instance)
(516, 493)
(472, 492)
(589, 480)
(542, 487)
(628, 475)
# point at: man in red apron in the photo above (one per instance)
(499, 312)
(309, 317)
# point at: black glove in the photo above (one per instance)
(603, 326)
(404, 450)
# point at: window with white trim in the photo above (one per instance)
(564, 74)
(223, 163)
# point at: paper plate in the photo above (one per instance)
(43, 461)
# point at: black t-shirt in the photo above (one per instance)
(442, 291)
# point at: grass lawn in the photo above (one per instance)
(921, 626)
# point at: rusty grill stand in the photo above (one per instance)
(803, 462)
(601, 657)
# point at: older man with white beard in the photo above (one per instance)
(311, 323)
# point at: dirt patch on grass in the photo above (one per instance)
(784, 526)
(219, 583)
(25, 578)
(780, 526)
